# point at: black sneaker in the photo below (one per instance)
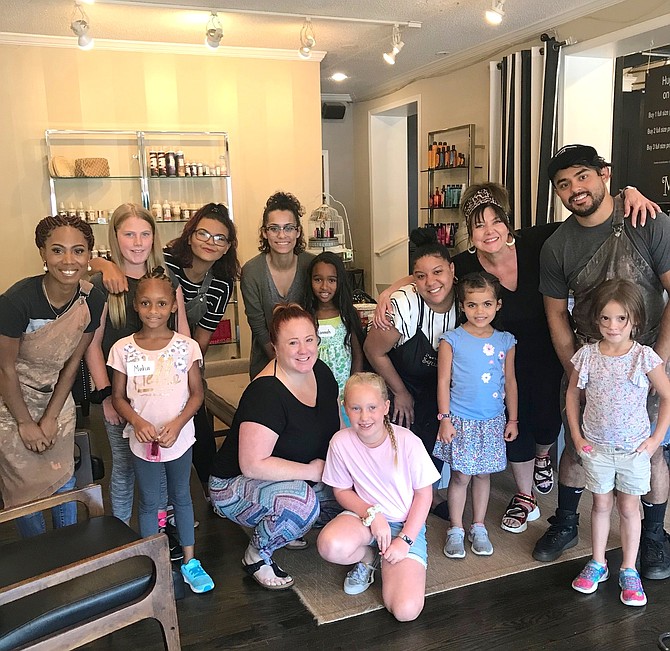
(561, 535)
(176, 552)
(654, 552)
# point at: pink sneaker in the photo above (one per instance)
(632, 592)
(588, 579)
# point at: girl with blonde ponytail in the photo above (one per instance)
(382, 476)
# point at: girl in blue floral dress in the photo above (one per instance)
(475, 382)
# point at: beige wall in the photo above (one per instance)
(271, 110)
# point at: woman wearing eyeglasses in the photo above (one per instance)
(277, 275)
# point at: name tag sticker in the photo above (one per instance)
(140, 368)
(326, 331)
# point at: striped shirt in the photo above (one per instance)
(218, 294)
(406, 306)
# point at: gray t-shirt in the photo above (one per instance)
(571, 247)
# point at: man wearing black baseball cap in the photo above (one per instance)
(594, 244)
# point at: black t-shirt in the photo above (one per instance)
(304, 432)
(24, 308)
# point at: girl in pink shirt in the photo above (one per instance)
(157, 389)
(382, 475)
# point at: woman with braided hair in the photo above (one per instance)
(382, 476)
(46, 324)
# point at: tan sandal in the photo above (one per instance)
(518, 514)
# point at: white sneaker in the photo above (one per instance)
(479, 537)
(359, 578)
(454, 546)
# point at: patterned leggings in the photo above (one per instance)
(278, 511)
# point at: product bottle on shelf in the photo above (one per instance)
(429, 164)
(61, 209)
(157, 210)
(81, 213)
(167, 211)
(179, 160)
(153, 163)
(162, 169)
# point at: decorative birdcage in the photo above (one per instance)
(329, 231)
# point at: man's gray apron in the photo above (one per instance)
(617, 257)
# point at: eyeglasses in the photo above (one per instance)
(205, 236)
(275, 229)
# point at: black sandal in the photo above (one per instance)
(543, 475)
(252, 568)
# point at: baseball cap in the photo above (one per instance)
(573, 154)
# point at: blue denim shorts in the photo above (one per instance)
(418, 550)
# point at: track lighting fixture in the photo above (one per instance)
(396, 46)
(495, 14)
(80, 26)
(307, 39)
(213, 32)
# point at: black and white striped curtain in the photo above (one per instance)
(523, 119)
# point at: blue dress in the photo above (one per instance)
(477, 402)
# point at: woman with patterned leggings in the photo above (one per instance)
(267, 474)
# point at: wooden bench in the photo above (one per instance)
(226, 382)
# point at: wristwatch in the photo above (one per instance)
(372, 511)
(443, 416)
(407, 539)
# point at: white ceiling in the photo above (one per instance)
(453, 32)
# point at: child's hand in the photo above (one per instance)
(649, 445)
(168, 435)
(447, 431)
(381, 532)
(397, 551)
(144, 430)
(511, 431)
(582, 446)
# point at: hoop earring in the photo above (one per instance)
(471, 249)
(44, 266)
(511, 244)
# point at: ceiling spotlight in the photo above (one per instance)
(338, 76)
(80, 27)
(213, 32)
(396, 46)
(307, 39)
(495, 14)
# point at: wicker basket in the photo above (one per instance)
(91, 167)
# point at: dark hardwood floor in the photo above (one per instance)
(531, 610)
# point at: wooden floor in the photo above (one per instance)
(532, 610)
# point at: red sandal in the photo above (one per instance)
(521, 510)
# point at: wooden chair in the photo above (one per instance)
(72, 585)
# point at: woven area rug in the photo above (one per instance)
(319, 584)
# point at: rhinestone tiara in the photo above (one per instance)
(480, 198)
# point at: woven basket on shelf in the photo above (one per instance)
(91, 167)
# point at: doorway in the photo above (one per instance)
(394, 177)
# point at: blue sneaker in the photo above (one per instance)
(632, 592)
(196, 578)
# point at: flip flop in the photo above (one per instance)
(252, 568)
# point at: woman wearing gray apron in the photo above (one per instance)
(204, 259)
(46, 324)
(406, 355)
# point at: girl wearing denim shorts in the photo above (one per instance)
(614, 441)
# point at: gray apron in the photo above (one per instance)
(617, 257)
(196, 308)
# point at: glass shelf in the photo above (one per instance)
(446, 169)
(187, 178)
(95, 178)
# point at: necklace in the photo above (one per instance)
(67, 307)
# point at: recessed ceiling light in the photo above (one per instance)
(339, 76)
